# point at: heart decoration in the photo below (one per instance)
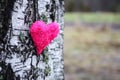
(42, 34)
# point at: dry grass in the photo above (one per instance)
(91, 52)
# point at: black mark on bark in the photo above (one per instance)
(6, 13)
(53, 10)
(9, 75)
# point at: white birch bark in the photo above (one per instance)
(18, 58)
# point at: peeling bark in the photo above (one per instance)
(18, 58)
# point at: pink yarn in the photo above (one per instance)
(42, 34)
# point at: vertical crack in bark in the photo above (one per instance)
(35, 9)
(29, 13)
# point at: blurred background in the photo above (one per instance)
(92, 40)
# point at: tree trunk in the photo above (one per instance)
(18, 57)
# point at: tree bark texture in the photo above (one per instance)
(18, 57)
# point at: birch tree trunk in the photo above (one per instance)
(18, 58)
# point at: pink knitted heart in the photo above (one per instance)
(42, 34)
